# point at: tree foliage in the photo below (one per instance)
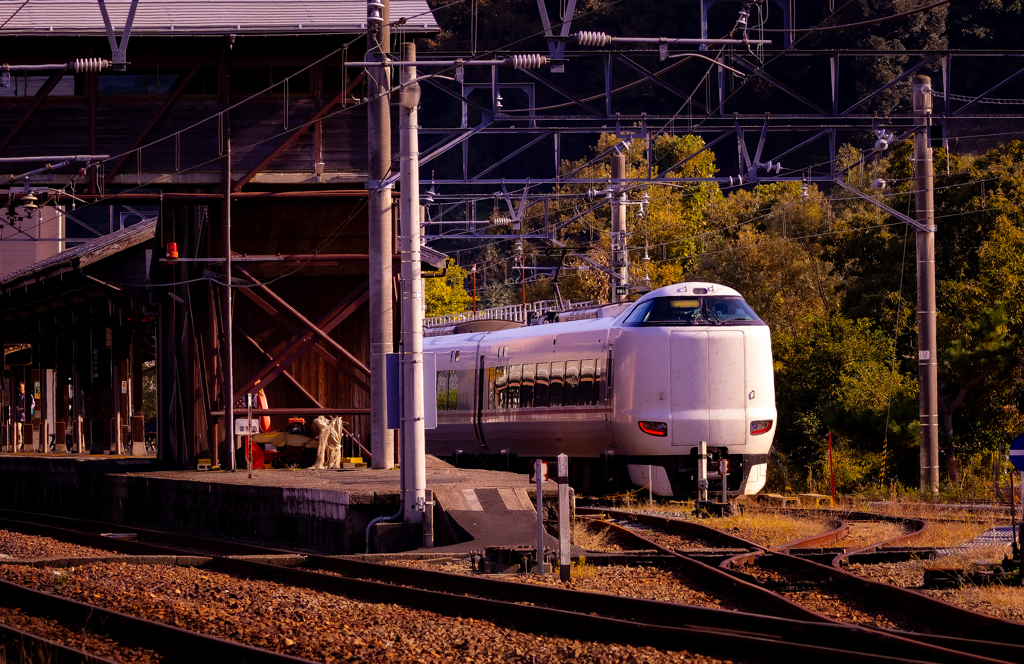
(447, 295)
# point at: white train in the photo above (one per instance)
(627, 387)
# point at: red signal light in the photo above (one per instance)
(758, 427)
(654, 428)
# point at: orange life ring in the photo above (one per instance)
(261, 399)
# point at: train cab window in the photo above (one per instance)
(500, 387)
(587, 391)
(442, 390)
(540, 388)
(453, 389)
(526, 387)
(728, 309)
(725, 310)
(570, 392)
(555, 383)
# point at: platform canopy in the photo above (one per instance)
(206, 17)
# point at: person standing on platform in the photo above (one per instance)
(19, 415)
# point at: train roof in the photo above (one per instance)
(593, 320)
(691, 288)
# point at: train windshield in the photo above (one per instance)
(693, 311)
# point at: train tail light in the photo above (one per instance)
(654, 428)
(758, 427)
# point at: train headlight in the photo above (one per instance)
(654, 428)
(760, 426)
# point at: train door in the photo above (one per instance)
(688, 387)
(726, 388)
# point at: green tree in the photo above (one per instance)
(447, 295)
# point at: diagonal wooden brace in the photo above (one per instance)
(291, 379)
(302, 344)
(306, 323)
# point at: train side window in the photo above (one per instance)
(588, 395)
(500, 387)
(453, 389)
(540, 389)
(514, 375)
(526, 387)
(442, 390)
(572, 382)
(491, 403)
(555, 390)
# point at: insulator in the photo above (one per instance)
(528, 61)
(881, 145)
(589, 38)
(879, 184)
(88, 65)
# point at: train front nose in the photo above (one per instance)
(708, 380)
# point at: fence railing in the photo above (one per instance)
(516, 313)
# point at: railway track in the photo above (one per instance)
(579, 614)
(919, 617)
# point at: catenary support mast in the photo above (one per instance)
(620, 260)
(413, 433)
(927, 362)
(382, 439)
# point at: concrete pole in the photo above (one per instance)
(382, 439)
(620, 259)
(564, 551)
(413, 433)
(927, 358)
(702, 471)
(538, 475)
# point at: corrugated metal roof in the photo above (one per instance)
(206, 17)
(86, 253)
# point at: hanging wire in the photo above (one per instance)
(286, 88)
(177, 153)
(344, 74)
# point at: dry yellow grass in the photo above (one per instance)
(942, 534)
(968, 559)
(770, 528)
(593, 537)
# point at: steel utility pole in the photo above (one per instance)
(413, 433)
(382, 439)
(228, 361)
(925, 214)
(620, 259)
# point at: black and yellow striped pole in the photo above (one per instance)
(885, 455)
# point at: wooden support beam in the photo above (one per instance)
(259, 349)
(298, 347)
(308, 324)
(299, 131)
(297, 331)
(299, 411)
(166, 106)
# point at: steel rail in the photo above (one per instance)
(42, 649)
(1011, 632)
(800, 635)
(688, 527)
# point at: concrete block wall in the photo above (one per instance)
(119, 491)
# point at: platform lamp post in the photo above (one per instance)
(413, 410)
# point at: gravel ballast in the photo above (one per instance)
(316, 625)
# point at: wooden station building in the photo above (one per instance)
(291, 156)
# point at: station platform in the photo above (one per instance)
(323, 511)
